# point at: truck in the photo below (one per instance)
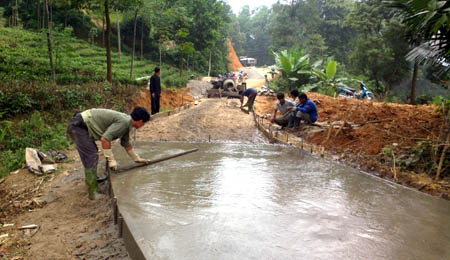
(247, 62)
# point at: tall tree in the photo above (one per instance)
(119, 49)
(378, 51)
(49, 42)
(108, 43)
(134, 42)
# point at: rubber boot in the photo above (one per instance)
(92, 184)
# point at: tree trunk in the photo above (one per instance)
(39, 15)
(16, 14)
(193, 63)
(134, 44)
(181, 64)
(118, 33)
(49, 42)
(108, 43)
(44, 15)
(50, 5)
(160, 54)
(446, 142)
(142, 39)
(103, 31)
(414, 83)
(209, 64)
(65, 16)
(442, 158)
(387, 89)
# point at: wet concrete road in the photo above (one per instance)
(231, 201)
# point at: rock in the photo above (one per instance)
(93, 245)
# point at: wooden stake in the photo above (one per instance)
(395, 169)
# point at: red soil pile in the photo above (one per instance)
(378, 125)
(235, 63)
(170, 98)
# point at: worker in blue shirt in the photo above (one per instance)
(306, 111)
(251, 96)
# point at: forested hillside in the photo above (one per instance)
(368, 39)
(184, 34)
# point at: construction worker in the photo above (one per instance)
(306, 111)
(155, 90)
(105, 125)
(251, 96)
(284, 107)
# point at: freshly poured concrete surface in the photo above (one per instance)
(231, 201)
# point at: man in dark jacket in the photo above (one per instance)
(155, 90)
(306, 111)
(251, 96)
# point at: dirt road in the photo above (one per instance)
(212, 119)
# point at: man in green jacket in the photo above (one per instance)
(105, 125)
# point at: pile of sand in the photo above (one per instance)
(198, 88)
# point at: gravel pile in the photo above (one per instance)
(198, 88)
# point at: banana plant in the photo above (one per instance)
(326, 81)
(294, 65)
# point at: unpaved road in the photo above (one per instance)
(218, 120)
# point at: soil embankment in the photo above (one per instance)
(361, 132)
(235, 63)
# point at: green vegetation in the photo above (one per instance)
(369, 40)
(24, 59)
(34, 132)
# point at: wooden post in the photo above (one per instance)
(120, 222)
(116, 211)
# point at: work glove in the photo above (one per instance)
(110, 158)
(136, 157)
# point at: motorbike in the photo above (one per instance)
(351, 92)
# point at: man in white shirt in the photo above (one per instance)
(283, 106)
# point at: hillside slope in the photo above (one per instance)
(24, 58)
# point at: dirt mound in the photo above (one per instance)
(235, 63)
(198, 88)
(170, 98)
(371, 126)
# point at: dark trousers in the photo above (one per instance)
(86, 146)
(251, 101)
(155, 103)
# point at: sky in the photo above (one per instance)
(238, 4)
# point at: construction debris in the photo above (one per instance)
(32, 226)
(265, 91)
(34, 162)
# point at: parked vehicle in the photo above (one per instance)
(351, 92)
